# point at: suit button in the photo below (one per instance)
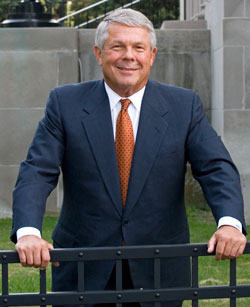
(125, 223)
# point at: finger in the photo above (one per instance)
(50, 246)
(235, 247)
(45, 258)
(236, 251)
(55, 263)
(29, 258)
(22, 256)
(219, 255)
(37, 258)
(211, 244)
(229, 250)
(241, 249)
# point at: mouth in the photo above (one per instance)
(127, 69)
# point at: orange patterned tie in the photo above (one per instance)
(124, 146)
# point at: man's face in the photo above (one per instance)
(126, 58)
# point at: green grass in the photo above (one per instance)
(18, 274)
(212, 272)
(202, 226)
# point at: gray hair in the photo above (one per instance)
(128, 17)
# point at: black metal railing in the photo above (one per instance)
(119, 296)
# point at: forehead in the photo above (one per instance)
(117, 31)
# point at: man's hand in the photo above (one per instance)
(34, 252)
(228, 241)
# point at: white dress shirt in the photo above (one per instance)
(133, 109)
(134, 113)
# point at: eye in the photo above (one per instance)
(116, 47)
(139, 48)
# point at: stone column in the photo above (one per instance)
(32, 62)
(229, 22)
(194, 9)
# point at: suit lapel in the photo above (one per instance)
(151, 130)
(98, 126)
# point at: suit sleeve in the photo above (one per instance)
(213, 167)
(38, 174)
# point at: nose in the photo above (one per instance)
(129, 53)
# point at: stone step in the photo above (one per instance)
(184, 24)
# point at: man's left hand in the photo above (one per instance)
(228, 241)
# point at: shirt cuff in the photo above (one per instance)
(230, 221)
(27, 231)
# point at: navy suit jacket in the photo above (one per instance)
(76, 135)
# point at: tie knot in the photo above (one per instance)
(125, 103)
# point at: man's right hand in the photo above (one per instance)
(34, 252)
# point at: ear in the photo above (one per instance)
(98, 54)
(153, 53)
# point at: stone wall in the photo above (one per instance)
(34, 60)
(229, 23)
(182, 59)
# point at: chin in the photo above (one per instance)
(127, 87)
(127, 82)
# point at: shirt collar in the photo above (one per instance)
(114, 98)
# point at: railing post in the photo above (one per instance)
(43, 287)
(118, 277)
(157, 275)
(233, 281)
(195, 279)
(80, 276)
(5, 288)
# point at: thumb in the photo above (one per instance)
(211, 244)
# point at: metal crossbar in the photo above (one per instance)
(119, 296)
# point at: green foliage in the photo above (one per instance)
(56, 5)
(4, 5)
(156, 10)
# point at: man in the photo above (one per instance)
(112, 199)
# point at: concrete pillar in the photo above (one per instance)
(194, 9)
(32, 62)
(229, 22)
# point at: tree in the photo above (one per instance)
(156, 10)
(58, 7)
(4, 7)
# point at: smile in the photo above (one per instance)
(127, 69)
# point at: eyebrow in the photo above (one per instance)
(121, 42)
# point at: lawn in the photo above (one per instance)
(211, 272)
